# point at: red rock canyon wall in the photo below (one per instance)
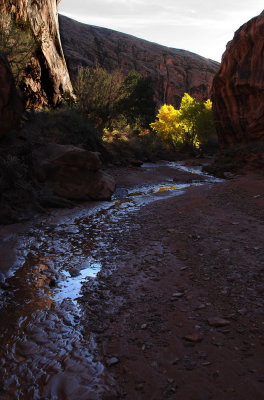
(173, 71)
(238, 87)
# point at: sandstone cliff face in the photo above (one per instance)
(173, 71)
(238, 87)
(48, 77)
(11, 104)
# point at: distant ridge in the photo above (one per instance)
(173, 71)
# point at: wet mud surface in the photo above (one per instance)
(157, 294)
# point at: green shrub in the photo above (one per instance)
(64, 126)
(105, 98)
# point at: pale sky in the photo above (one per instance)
(201, 26)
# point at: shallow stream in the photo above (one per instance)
(44, 354)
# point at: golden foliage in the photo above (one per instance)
(190, 125)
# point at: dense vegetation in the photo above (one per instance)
(122, 108)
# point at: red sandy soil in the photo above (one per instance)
(182, 314)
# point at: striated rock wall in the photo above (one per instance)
(11, 104)
(49, 77)
(173, 71)
(238, 87)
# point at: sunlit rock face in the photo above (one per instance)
(173, 71)
(11, 104)
(48, 78)
(238, 88)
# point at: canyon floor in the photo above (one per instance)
(190, 276)
(175, 312)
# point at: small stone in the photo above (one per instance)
(178, 294)
(230, 390)
(194, 338)
(218, 322)
(154, 364)
(242, 311)
(139, 386)
(170, 380)
(74, 272)
(52, 283)
(112, 361)
(143, 326)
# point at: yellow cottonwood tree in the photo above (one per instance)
(189, 126)
(167, 125)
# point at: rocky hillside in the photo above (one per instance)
(239, 85)
(173, 71)
(48, 76)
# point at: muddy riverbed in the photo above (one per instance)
(157, 294)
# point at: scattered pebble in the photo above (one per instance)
(201, 307)
(218, 322)
(178, 294)
(139, 386)
(206, 363)
(194, 338)
(112, 361)
(52, 283)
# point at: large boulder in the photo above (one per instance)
(11, 103)
(48, 78)
(173, 71)
(238, 87)
(72, 172)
